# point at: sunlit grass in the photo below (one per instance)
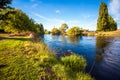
(23, 59)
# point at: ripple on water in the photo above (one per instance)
(110, 65)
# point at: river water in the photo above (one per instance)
(102, 53)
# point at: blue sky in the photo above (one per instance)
(53, 13)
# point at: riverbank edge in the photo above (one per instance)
(105, 34)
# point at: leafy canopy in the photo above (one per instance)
(14, 20)
(105, 22)
(63, 28)
(39, 28)
(74, 31)
(55, 31)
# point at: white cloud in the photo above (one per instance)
(114, 6)
(49, 23)
(58, 11)
(92, 25)
(114, 10)
(87, 16)
(34, 5)
(40, 16)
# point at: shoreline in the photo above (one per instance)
(105, 34)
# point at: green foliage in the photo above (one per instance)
(4, 3)
(39, 28)
(105, 22)
(74, 31)
(83, 76)
(75, 62)
(46, 31)
(63, 28)
(71, 64)
(15, 20)
(61, 72)
(102, 23)
(112, 24)
(55, 31)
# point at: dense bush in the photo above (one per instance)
(74, 31)
(47, 32)
(55, 31)
(75, 62)
(39, 28)
(14, 20)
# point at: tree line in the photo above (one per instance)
(63, 30)
(105, 22)
(15, 20)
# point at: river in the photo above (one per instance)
(102, 53)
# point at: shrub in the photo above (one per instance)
(75, 62)
(55, 31)
(83, 76)
(61, 71)
(74, 31)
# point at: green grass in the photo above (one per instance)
(23, 59)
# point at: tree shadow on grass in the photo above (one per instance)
(1, 38)
(22, 39)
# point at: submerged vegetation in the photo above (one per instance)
(24, 59)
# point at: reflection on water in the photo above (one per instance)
(63, 38)
(102, 53)
(101, 43)
(70, 39)
(107, 58)
(55, 37)
(74, 39)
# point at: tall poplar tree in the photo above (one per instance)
(102, 22)
(105, 22)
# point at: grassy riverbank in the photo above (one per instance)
(109, 33)
(24, 59)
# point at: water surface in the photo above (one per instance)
(102, 53)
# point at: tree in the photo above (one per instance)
(104, 20)
(55, 31)
(46, 31)
(4, 3)
(74, 31)
(63, 28)
(39, 28)
(15, 20)
(112, 24)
